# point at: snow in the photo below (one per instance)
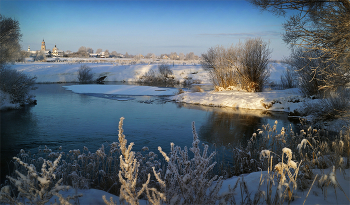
(121, 89)
(276, 71)
(280, 100)
(316, 195)
(5, 101)
(68, 72)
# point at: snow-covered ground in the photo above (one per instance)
(276, 100)
(338, 195)
(68, 72)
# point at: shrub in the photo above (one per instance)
(16, 84)
(244, 64)
(333, 105)
(165, 71)
(85, 74)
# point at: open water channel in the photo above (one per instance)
(63, 118)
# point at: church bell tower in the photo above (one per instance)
(43, 47)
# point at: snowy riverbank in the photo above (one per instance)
(317, 195)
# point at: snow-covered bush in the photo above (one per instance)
(85, 74)
(187, 180)
(128, 172)
(5, 101)
(17, 85)
(34, 188)
(244, 64)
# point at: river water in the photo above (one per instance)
(63, 118)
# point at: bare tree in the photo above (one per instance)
(107, 53)
(114, 54)
(9, 40)
(99, 50)
(173, 56)
(82, 52)
(306, 66)
(90, 50)
(254, 58)
(40, 56)
(288, 78)
(181, 56)
(219, 62)
(190, 56)
(318, 25)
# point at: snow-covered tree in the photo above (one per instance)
(9, 40)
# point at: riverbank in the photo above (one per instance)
(289, 100)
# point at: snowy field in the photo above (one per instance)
(68, 72)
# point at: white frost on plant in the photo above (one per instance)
(292, 164)
(332, 177)
(5, 101)
(288, 152)
(302, 144)
(265, 153)
(29, 188)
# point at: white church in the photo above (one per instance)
(54, 53)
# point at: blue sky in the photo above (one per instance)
(144, 26)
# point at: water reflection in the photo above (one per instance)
(231, 126)
(13, 138)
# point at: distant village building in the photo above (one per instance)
(56, 52)
(165, 57)
(31, 52)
